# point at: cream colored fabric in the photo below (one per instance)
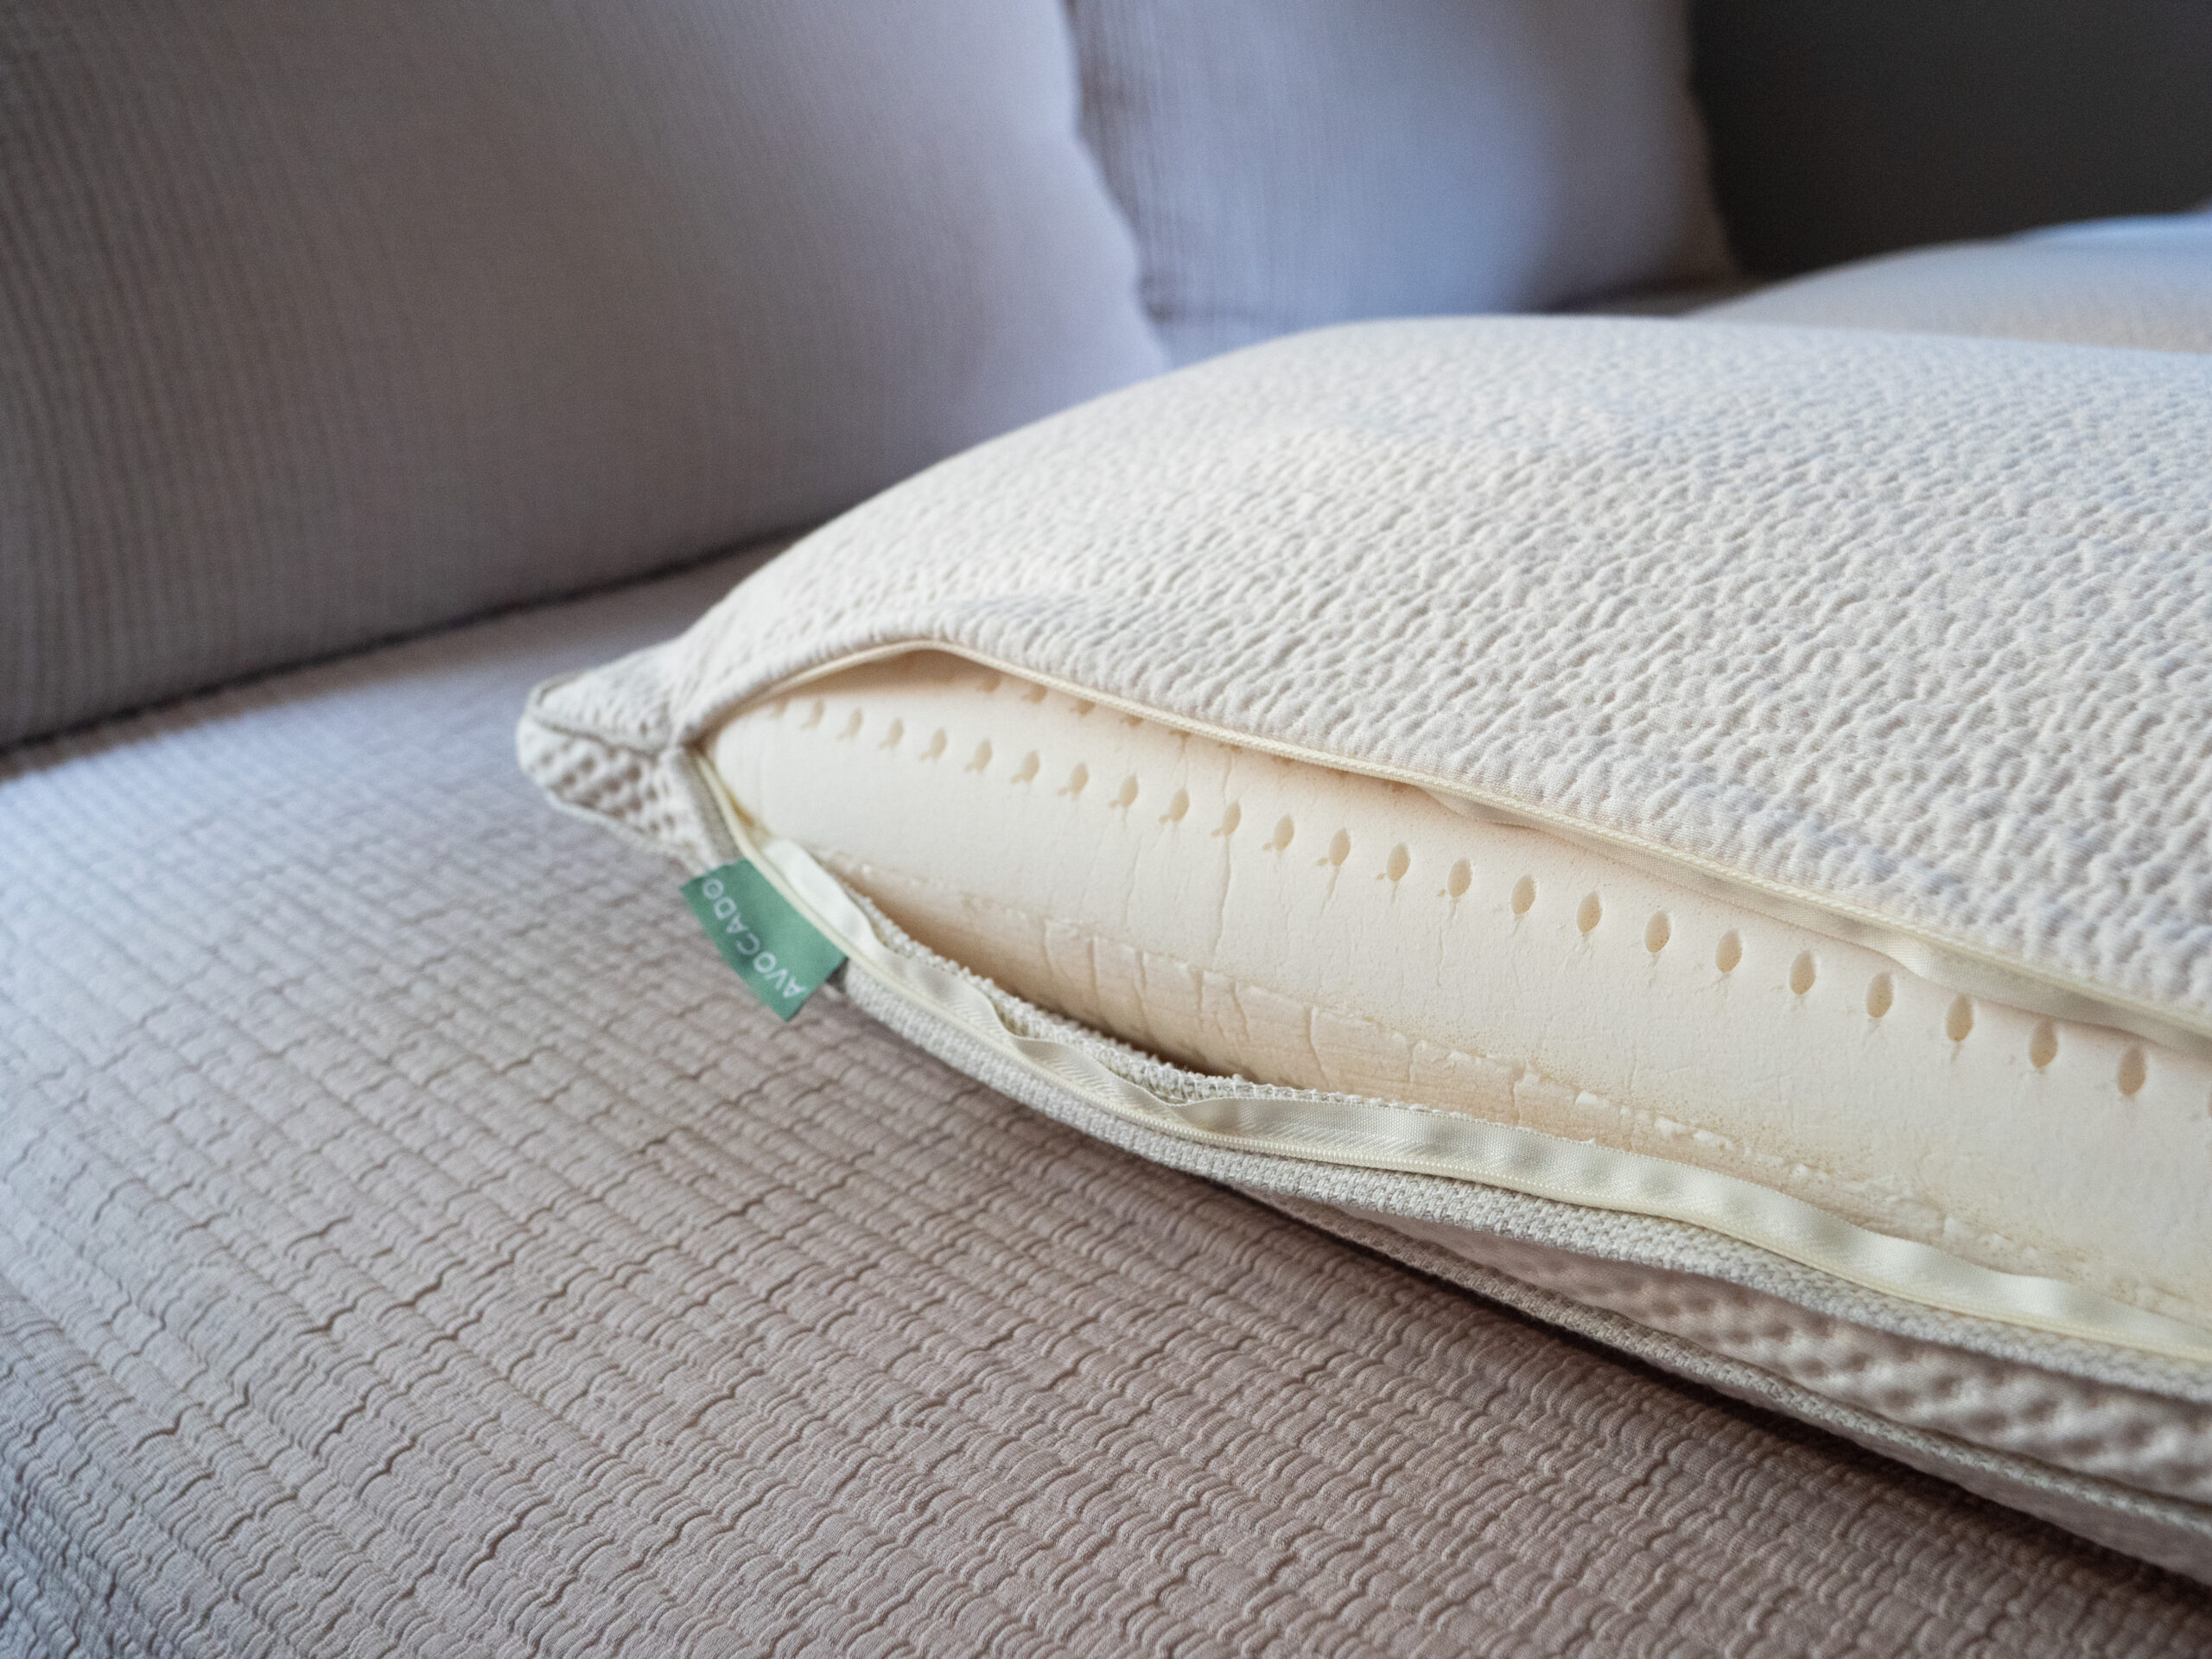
(1913, 633)
(1906, 640)
(414, 1242)
(2137, 283)
(2138, 1526)
(2144, 1439)
(1252, 916)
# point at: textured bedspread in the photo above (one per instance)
(413, 1241)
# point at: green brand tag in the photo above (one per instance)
(774, 949)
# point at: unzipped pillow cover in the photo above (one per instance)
(1699, 831)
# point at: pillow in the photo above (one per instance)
(327, 321)
(1287, 165)
(2144, 283)
(1700, 823)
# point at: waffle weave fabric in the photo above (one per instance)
(1917, 631)
(414, 1242)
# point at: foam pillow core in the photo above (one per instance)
(1291, 924)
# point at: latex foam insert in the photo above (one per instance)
(1295, 925)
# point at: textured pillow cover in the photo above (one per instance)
(1289, 165)
(1894, 650)
(321, 321)
(2144, 283)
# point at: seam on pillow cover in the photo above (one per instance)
(2169, 1531)
(2148, 1442)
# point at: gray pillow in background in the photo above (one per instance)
(323, 319)
(1288, 163)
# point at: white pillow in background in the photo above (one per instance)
(1288, 163)
(2144, 283)
(330, 320)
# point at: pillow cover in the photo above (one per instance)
(1697, 825)
(2144, 283)
(1291, 165)
(325, 321)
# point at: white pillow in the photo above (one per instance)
(1288, 163)
(1702, 823)
(327, 323)
(2144, 283)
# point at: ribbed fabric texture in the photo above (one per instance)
(412, 1242)
(1288, 163)
(322, 320)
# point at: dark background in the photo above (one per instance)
(1844, 128)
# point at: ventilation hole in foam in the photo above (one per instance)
(1231, 819)
(2134, 1071)
(1028, 774)
(1339, 849)
(1881, 995)
(982, 758)
(892, 733)
(1285, 831)
(1132, 721)
(1457, 883)
(1034, 694)
(814, 712)
(852, 726)
(1077, 779)
(777, 708)
(1729, 952)
(1524, 895)
(1082, 708)
(1589, 913)
(1399, 862)
(989, 682)
(1657, 931)
(1803, 972)
(1127, 798)
(1958, 1024)
(1177, 807)
(937, 741)
(2043, 1044)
